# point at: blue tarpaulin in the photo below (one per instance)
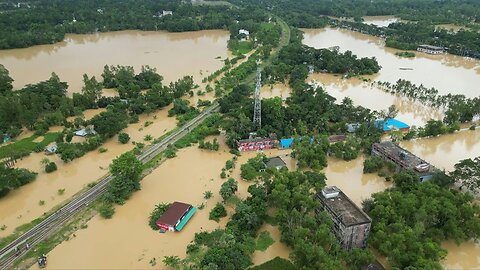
(286, 143)
(391, 124)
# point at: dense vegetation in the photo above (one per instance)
(12, 178)
(412, 219)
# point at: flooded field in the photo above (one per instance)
(447, 73)
(183, 178)
(446, 150)
(171, 53)
(368, 96)
(24, 204)
(380, 21)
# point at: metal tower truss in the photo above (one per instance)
(257, 109)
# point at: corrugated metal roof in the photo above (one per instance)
(174, 212)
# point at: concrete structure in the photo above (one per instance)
(255, 144)
(4, 138)
(276, 162)
(430, 49)
(176, 216)
(351, 224)
(403, 159)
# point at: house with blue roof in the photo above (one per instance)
(391, 124)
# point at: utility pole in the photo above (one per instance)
(257, 109)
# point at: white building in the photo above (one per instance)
(243, 31)
(430, 49)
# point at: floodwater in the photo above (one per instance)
(276, 90)
(349, 177)
(361, 93)
(184, 178)
(380, 21)
(276, 249)
(23, 204)
(447, 73)
(445, 151)
(172, 54)
(457, 146)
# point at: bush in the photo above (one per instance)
(123, 137)
(155, 215)
(207, 195)
(373, 164)
(50, 167)
(217, 212)
(106, 210)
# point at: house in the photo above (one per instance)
(391, 124)
(4, 138)
(286, 143)
(351, 128)
(51, 149)
(254, 144)
(85, 132)
(243, 31)
(351, 224)
(167, 12)
(337, 138)
(176, 216)
(430, 49)
(404, 160)
(276, 162)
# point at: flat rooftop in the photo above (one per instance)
(430, 47)
(402, 157)
(275, 162)
(344, 209)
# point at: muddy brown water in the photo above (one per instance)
(430, 70)
(380, 21)
(173, 54)
(184, 178)
(447, 73)
(23, 205)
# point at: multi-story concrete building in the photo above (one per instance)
(351, 224)
(404, 160)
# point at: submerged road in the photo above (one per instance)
(53, 223)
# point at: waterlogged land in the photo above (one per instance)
(447, 73)
(23, 205)
(431, 71)
(172, 54)
(183, 178)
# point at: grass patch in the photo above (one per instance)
(276, 263)
(25, 146)
(206, 128)
(264, 241)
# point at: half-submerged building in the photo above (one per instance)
(403, 159)
(430, 49)
(176, 216)
(351, 224)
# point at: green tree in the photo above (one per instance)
(91, 90)
(126, 171)
(467, 173)
(217, 212)
(228, 188)
(123, 137)
(5, 81)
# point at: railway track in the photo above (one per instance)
(16, 249)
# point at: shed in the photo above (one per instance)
(51, 149)
(176, 216)
(286, 143)
(392, 124)
(352, 127)
(276, 162)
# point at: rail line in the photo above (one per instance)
(53, 223)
